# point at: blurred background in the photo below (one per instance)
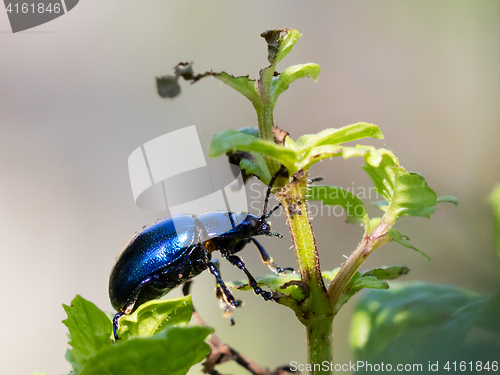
(77, 96)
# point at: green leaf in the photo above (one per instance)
(256, 167)
(495, 204)
(287, 42)
(155, 316)
(243, 84)
(312, 148)
(282, 286)
(356, 284)
(414, 322)
(288, 290)
(291, 74)
(371, 279)
(232, 140)
(252, 163)
(347, 133)
(370, 282)
(271, 84)
(400, 239)
(336, 196)
(387, 273)
(488, 318)
(330, 275)
(89, 331)
(284, 40)
(250, 130)
(309, 156)
(279, 44)
(407, 193)
(308, 150)
(168, 86)
(171, 352)
(312, 155)
(447, 199)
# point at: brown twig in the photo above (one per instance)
(222, 352)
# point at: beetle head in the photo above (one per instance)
(264, 228)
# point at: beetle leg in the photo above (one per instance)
(186, 288)
(227, 309)
(129, 305)
(218, 290)
(268, 260)
(116, 324)
(238, 262)
(226, 292)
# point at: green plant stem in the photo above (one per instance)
(317, 312)
(370, 242)
(265, 120)
(319, 341)
(264, 109)
(305, 247)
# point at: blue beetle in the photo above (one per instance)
(172, 251)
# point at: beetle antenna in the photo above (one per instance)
(269, 188)
(279, 235)
(272, 211)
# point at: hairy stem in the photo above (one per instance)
(317, 310)
(264, 109)
(319, 341)
(265, 120)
